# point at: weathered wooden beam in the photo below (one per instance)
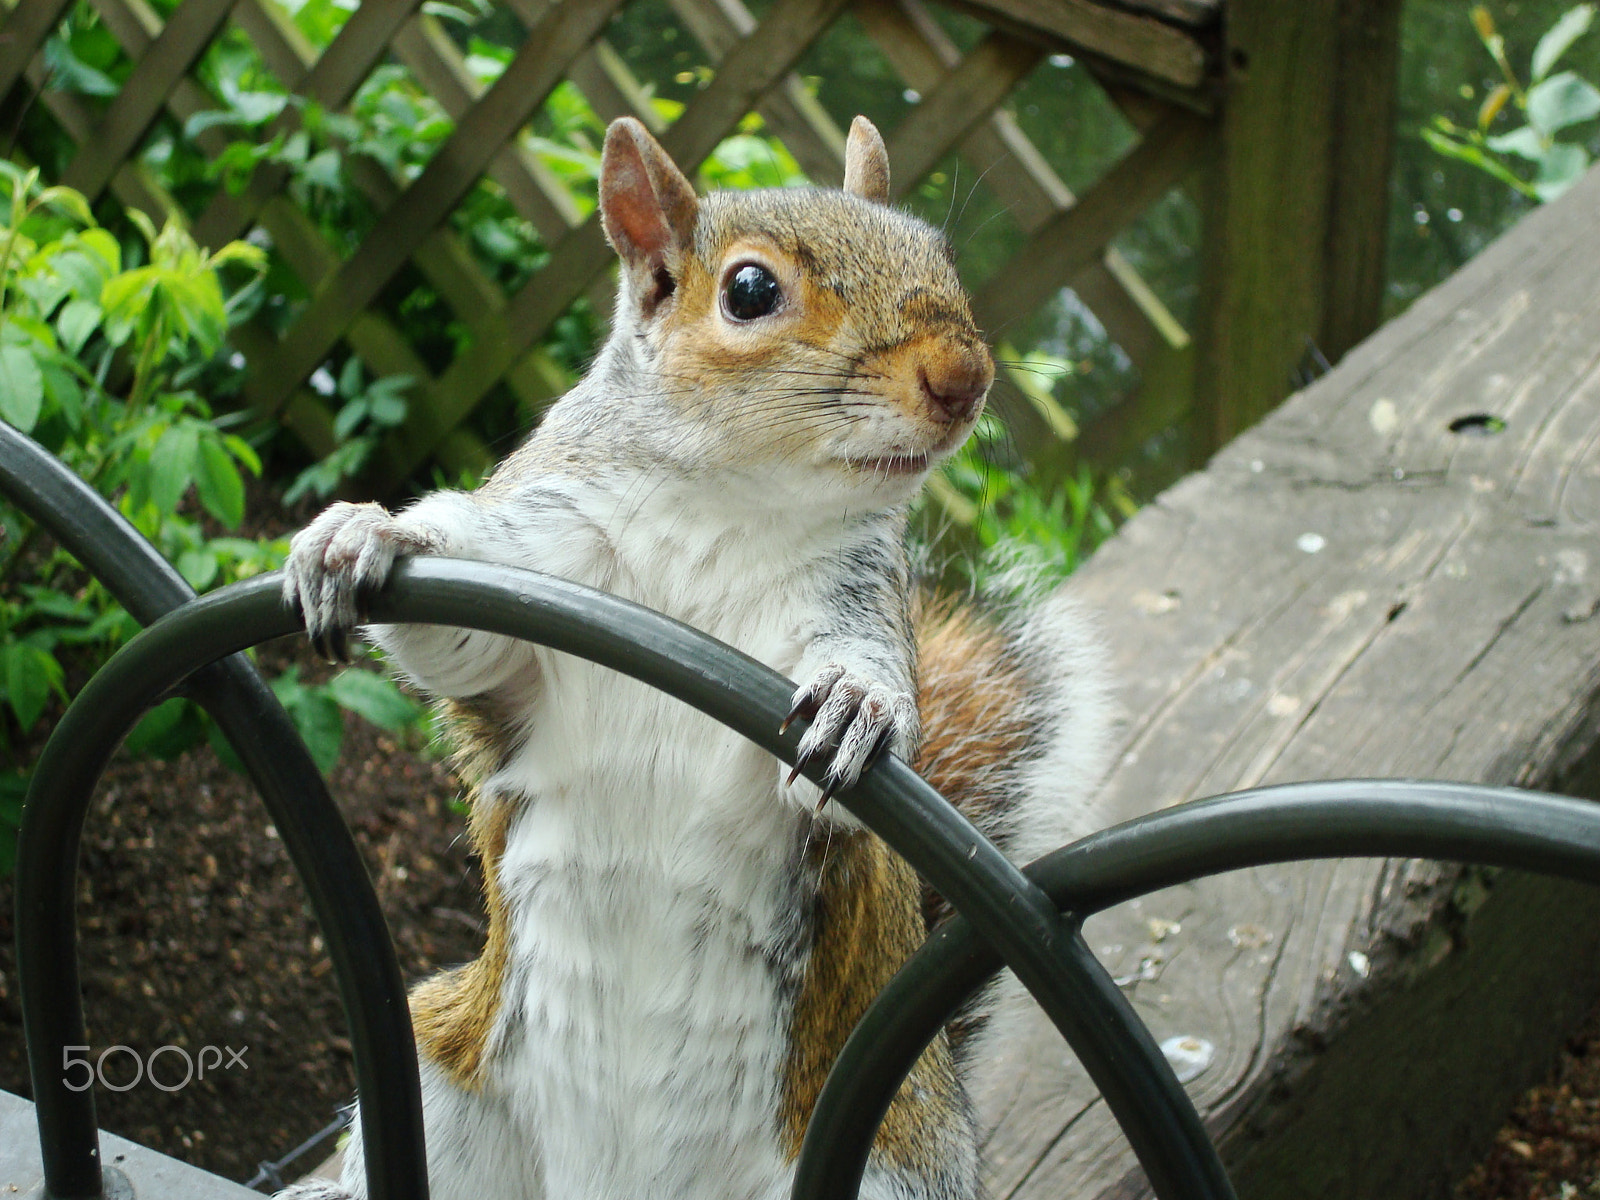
(533, 189)
(1363, 156)
(790, 111)
(1196, 13)
(1151, 46)
(1394, 574)
(1293, 198)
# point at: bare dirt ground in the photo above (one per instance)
(195, 933)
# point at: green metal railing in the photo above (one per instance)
(1029, 920)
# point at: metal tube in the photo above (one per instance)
(1011, 912)
(314, 835)
(1554, 835)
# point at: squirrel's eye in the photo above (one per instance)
(751, 291)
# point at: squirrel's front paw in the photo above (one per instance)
(853, 720)
(334, 562)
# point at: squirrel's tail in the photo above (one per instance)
(1016, 713)
(1016, 718)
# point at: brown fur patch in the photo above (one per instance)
(872, 912)
(973, 697)
(866, 924)
(453, 1012)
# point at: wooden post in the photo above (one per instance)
(1294, 199)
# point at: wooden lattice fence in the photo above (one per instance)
(1179, 69)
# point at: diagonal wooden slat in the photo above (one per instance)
(753, 67)
(534, 191)
(330, 81)
(23, 34)
(957, 104)
(442, 260)
(454, 168)
(790, 111)
(180, 43)
(1016, 174)
(1075, 238)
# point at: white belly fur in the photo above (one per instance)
(648, 878)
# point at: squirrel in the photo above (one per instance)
(682, 931)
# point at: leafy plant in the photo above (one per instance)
(369, 410)
(1016, 535)
(98, 349)
(72, 314)
(1550, 104)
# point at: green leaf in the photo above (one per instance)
(64, 391)
(1560, 101)
(220, 488)
(242, 253)
(172, 466)
(377, 698)
(387, 410)
(324, 170)
(68, 73)
(350, 378)
(102, 246)
(1524, 143)
(349, 419)
(1468, 153)
(68, 200)
(199, 568)
(166, 731)
(30, 673)
(1560, 169)
(1574, 23)
(76, 321)
(243, 453)
(21, 387)
(316, 717)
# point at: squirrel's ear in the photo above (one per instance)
(646, 205)
(866, 162)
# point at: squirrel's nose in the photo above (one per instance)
(954, 385)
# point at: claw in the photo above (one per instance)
(800, 764)
(332, 645)
(807, 704)
(828, 793)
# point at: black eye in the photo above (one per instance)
(751, 291)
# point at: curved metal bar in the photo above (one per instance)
(93, 532)
(1506, 827)
(1014, 914)
(315, 837)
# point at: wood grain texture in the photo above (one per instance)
(1151, 46)
(1353, 588)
